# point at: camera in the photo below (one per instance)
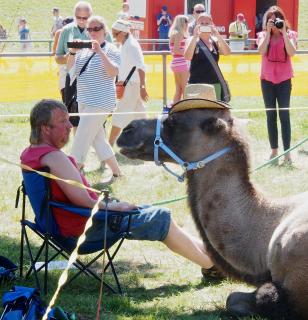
(79, 44)
(278, 23)
(207, 29)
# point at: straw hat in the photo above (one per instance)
(199, 96)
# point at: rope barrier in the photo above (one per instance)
(155, 112)
(73, 257)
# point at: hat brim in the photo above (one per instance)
(199, 103)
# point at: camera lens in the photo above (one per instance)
(278, 23)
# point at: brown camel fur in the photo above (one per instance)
(249, 237)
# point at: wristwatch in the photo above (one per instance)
(142, 86)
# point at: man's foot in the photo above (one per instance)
(211, 274)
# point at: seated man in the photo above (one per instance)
(50, 130)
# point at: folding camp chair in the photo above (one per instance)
(37, 188)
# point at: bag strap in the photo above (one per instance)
(86, 64)
(222, 81)
(131, 72)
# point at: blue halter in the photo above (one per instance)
(158, 143)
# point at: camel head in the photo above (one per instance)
(192, 134)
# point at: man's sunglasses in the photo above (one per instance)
(95, 29)
(82, 18)
(199, 11)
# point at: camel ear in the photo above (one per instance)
(213, 125)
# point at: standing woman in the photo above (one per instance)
(201, 69)
(276, 44)
(178, 34)
(95, 93)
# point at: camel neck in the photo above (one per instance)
(225, 206)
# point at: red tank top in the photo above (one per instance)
(70, 224)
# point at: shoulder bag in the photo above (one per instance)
(120, 85)
(226, 95)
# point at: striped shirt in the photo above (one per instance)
(95, 87)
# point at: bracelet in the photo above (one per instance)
(72, 53)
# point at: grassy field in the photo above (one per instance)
(158, 284)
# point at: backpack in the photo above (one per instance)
(7, 270)
(70, 94)
(24, 303)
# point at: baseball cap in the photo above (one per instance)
(164, 8)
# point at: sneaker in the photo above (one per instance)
(211, 274)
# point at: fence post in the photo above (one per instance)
(164, 55)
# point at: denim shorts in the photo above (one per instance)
(147, 223)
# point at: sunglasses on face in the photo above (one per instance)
(82, 18)
(199, 11)
(95, 29)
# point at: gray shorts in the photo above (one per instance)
(147, 223)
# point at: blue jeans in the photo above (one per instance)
(150, 223)
(281, 93)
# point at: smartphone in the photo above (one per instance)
(205, 29)
(79, 44)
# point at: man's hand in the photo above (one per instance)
(121, 206)
(144, 94)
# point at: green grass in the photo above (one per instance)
(157, 283)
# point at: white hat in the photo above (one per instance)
(121, 25)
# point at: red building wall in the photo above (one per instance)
(223, 12)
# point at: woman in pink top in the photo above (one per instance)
(276, 44)
(179, 65)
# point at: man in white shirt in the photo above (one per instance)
(198, 9)
(238, 28)
(57, 21)
(135, 92)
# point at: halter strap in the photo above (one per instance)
(186, 166)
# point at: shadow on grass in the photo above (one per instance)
(137, 303)
(124, 161)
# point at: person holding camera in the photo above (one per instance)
(206, 41)
(164, 21)
(277, 44)
(95, 69)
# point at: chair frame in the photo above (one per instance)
(49, 240)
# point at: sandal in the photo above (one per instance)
(211, 274)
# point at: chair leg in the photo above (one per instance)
(114, 273)
(46, 267)
(32, 261)
(21, 252)
(35, 261)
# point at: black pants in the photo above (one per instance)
(281, 93)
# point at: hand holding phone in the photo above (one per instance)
(205, 29)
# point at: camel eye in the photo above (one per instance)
(128, 128)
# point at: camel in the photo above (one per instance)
(249, 237)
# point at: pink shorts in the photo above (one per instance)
(179, 64)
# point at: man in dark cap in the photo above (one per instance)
(164, 21)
